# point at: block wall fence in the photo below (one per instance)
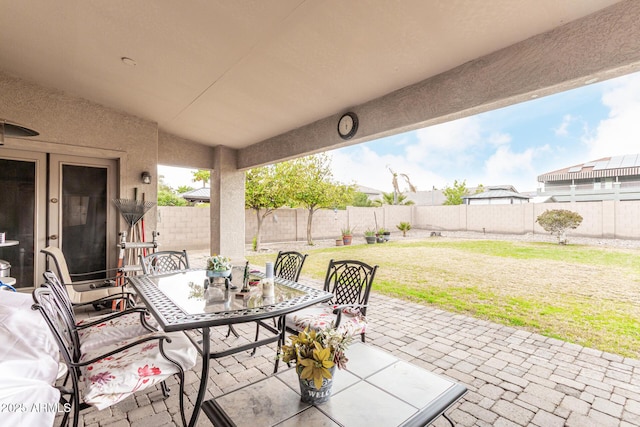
(188, 227)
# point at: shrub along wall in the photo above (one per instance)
(188, 227)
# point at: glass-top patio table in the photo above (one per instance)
(375, 389)
(187, 301)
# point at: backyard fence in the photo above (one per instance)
(189, 227)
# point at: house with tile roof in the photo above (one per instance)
(199, 195)
(497, 195)
(609, 178)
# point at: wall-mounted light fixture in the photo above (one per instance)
(13, 129)
(145, 177)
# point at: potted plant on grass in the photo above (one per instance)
(370, 236)
(316, 355)
(347, 235)
(404, 227)
(380, 235)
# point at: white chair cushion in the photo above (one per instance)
(114, 378)
(321, 316)
(111, 331)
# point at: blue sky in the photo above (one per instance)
(512, 145)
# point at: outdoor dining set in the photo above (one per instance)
(159, 326)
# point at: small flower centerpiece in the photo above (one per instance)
(316, 355)
(218, 266)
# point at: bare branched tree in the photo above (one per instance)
(396, 188)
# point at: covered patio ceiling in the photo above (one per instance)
(271, 78)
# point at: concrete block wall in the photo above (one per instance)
(183, 228)
(440, 217)
(188, 227)
(591, 212)
(496, 218)
(627, 220)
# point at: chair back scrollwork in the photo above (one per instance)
(289, 264)
(164, 262)
(350, 282)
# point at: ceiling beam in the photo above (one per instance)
(599, 46)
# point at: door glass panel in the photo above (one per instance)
(17, 214)
(84, 219)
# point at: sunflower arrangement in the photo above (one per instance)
(316, 352)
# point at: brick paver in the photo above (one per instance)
(514, 377)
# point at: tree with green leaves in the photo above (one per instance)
(201, 175)
(167, 196)
(360, 199)
(313, 187)
(455, 194)
(266, 189)
(184, 189)
(558, 221)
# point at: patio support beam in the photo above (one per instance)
(597, 47)
(227, 205)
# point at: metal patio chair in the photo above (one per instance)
(289, 264)
(98, 331)
(350, 282)
(164, 262)
(105, 376)
(87, 292)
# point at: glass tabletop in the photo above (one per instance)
(189, 299)
(195, 293)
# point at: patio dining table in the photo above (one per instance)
(186, 300)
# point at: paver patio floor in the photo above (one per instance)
(514, 377)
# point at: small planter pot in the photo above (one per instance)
(379, 238)
(386, 236)
(346, 239)
(218, 277)
(225, 273)
(310, 394)
(339, 242)
(370, 239)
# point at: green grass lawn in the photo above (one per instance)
(582, 294)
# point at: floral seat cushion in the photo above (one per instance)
(321, 317)
(111, 331)
(112, 379)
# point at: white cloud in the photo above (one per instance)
(517, 169)
(562, 130)
(429, 156)
(619, 133)
(366, 167)
(498, 139)
(447, 138)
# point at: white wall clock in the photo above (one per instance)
(348, 125)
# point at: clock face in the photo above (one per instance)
(348, 125)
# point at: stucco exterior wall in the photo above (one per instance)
(73, 126)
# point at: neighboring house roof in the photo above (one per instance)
(543, 199)
(607, 167)
(497, 194)
(368, 190)
(505, 187)
(198, 195)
